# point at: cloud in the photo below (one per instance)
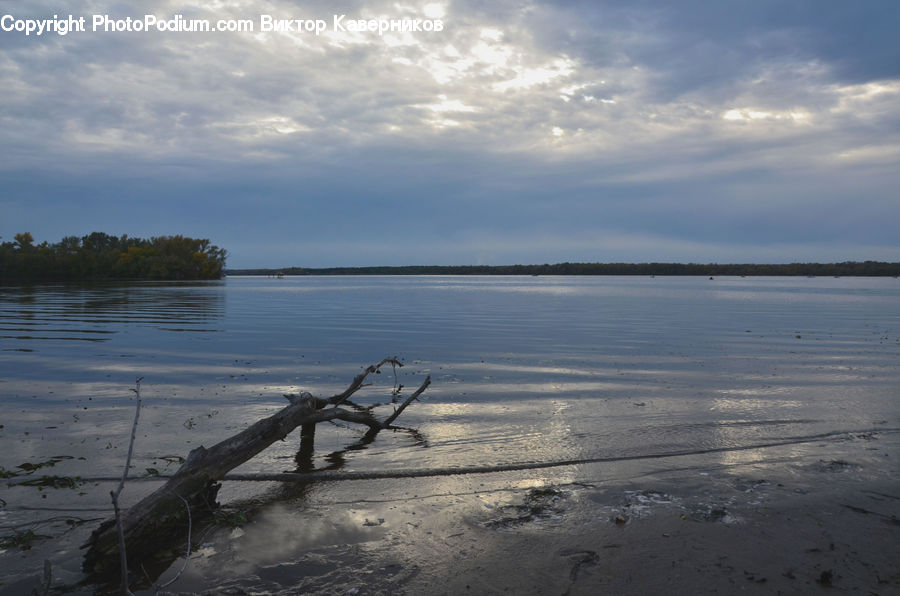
(742, 129)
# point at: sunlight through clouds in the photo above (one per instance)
(530, 77)
(749, 114)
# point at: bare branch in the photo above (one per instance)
(358, 381)
(160, 509)
(409, 400)
(304, 395)
(341, 414)
(187, 556)
(396, 390)
(48, 579)
(137, 414)
(142, 525)
(123, 557)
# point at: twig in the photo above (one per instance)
(137, 414)
(48, 579)
(408, 401)
(123, 557)
(358, 381)
(396, 390)
(48, 576)
(144, 522)
(187, 556)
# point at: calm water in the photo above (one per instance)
(539, 368)
(524, 369)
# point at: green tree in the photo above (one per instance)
(100, 255)
(24, 241)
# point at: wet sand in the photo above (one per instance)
(817, 524)
(823, 519)
(794, 544)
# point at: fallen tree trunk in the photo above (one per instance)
(163, 512)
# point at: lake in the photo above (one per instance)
(641, 374)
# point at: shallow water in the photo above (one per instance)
(524, 370)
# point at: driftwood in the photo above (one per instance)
(162, 514)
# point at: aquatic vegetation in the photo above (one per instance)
(20, 540)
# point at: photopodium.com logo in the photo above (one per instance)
(102, 23)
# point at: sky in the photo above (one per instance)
(502, 132)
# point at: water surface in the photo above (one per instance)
(524, 370)
(535, 367)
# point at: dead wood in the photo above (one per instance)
(161, 516)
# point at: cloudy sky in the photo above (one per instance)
(525, 131)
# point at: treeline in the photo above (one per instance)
(101, 256)
(849, 268)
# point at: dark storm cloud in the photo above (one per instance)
(721, 40)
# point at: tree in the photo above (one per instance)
(24, 241)
(194, 486)
(99, 255)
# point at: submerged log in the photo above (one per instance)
(162, 513)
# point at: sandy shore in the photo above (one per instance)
(821, 521)
(692, 532)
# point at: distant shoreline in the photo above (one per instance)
(848, 269)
